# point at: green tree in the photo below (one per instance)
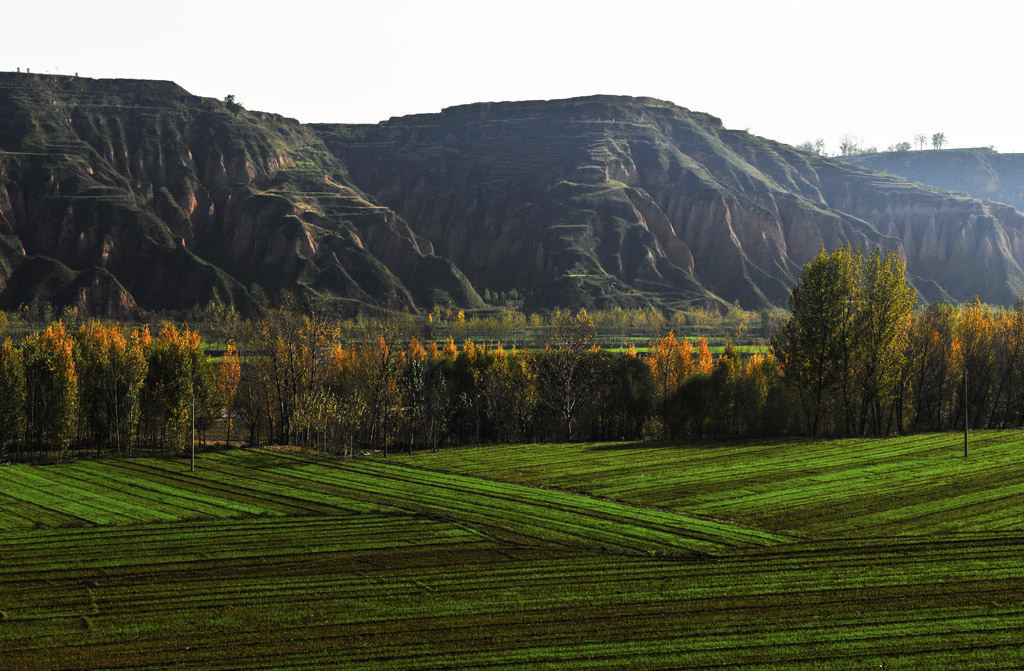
(850, 145)
(1008, 375)
(315, 418)
(180, 386)
(631, 398)
(344, 384)
(440, 402)
(229, 373)
(469, 372)
(975, 341)
(882, 328)
(289, 348)
(414, 392)
(509, 387)
(724, 410)
(233, 106)
(380, 362)
(815, 147)
(92, 362)
(130, 370)
(813, 347)
(759, 397)
(692, 403)
(111, 370)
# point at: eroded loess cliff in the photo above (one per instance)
(617, 201)
(120, 195)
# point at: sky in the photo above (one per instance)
(788, 70)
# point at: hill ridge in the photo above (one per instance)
(598, 201)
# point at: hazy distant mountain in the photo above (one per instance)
(980, 172)
(117, 195)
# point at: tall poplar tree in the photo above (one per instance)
(51, 386)
(12, 394)
(813, 347)
(670, 361)
(934, 367)
(229, 372)
(564, 368)
(844, 349)
(882, 329)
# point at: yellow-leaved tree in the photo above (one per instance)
(180, 387)
(51, 387)
(111, 370)
(670, 361)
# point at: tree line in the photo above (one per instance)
(855, 357)
(851, 145)
(106, 387)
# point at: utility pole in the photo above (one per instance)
(965, 411)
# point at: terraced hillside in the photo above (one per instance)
(980, 172)
(835, 555)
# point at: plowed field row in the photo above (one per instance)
(442, 596)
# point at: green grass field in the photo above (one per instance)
(784, 555)
(814, 489)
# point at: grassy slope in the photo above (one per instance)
(273, 560)
(912, 485)
(238, 484)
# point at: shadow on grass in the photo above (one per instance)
(649, 445)
(689, 444)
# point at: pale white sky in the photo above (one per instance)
(788, 70)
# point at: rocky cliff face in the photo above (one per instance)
(117, 194)
(609, 200)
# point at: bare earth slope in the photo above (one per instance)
(116, 194)
(614, 200)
